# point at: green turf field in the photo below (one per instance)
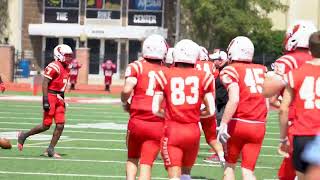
(90, 152)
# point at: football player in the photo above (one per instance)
(209, 125)
(243, 122)
(144, 128)
(75, 66)
(183, 88)
(296, 46)
(2, 86)
(302, 93)
(55, 80)
(108, 70)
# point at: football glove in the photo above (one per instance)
(223, 135)
(45, 103)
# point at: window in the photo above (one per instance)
(134, 50)
(61, 11)
(103, 9)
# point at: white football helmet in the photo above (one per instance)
(203, 54)
(298, 35)
(219, 55)
(169, 57)
(63, 53)
(154, 47)
(186, 51)
(241, 49)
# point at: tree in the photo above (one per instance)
(3, 18)
(213, 23)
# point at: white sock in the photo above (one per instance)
(221, 156)
(185, 177)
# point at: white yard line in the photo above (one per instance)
(68, 175)
(111, 114)
(107, 119)
(119, 162)
(113, 149)
(69, 107)
(71, 131)
(46, 142)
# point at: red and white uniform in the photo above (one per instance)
(74, 71)
(288, 62)
(144, 128)
(59, 76)
(247, 126)
(304, 82)
(208, 125)
(206, 66)
(282, 66)
(108, 70)
(184, 90)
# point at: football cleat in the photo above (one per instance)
(51, 153)
(20, 141)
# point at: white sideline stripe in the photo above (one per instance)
(70, 119)
(120, 162)
(69, 107)
(70, 131)
(68, 175)
(120, 120)
(74, 115)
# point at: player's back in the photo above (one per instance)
(141, 104)
(184, 89)
(291, 60)
(207, 66)
(252, 104)
(304, 82)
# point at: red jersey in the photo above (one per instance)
(184, 90)
(108, 68)
(305, 84)
(290, 61)
(207, 66)
(249, 77)
(141, 102)
(58, 74)
(75, 66)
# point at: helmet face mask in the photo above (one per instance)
(241, 49)
(203, 54)
(154, 47)
(297, 35)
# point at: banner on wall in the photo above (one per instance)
(61, 16)
(145, 18)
